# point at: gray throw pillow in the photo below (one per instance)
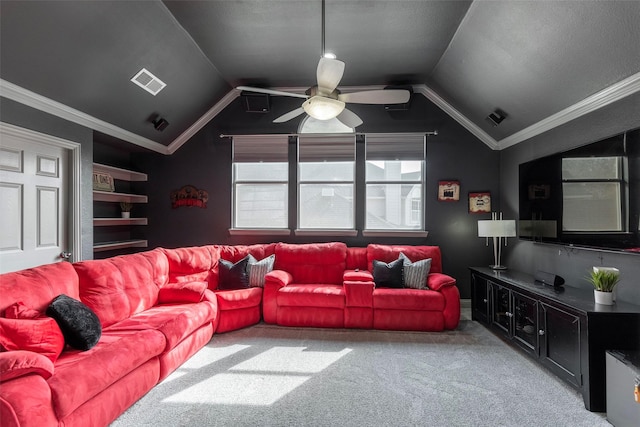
(415, 273)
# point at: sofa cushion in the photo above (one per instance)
(79, 325)
(388, 275)
(312, 263)
(258, 269)
(305, 295)
(234, 275)
(388, 253)
(28, 330)
(414, 274)
(18, 363)
(119, 287)
(80, 376)
(239, 298)
(182, 292)
(36, 287)
(175, 322)
(189, 264)
(408, 299)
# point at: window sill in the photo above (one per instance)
(394, 233)
(350, 233)
(259, 232)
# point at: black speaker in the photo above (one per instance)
(548, 278)
(255, 102)
(160, 124)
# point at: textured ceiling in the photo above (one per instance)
(530, 59)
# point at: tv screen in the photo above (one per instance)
(587, 197)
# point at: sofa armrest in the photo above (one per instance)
(14, 364)
(451, 312)
(357, 276)
(437, 281)
(273, 281)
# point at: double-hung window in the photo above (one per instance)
(592, 194)
(260, 182)
(394, 182)
(326, 176)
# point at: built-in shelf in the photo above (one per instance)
(107, 196)
(105, 222)
(118, 173)
(110, 246)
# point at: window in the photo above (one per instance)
(326, 173)
(592, 194)
(260, 182)
(394, 182)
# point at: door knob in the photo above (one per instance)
(65, 255)
(541, 332)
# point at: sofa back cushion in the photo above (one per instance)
(37, 287)
(388, 253)
(313, 263)
(356, 258)
(191, 264)
(119, 287)
(234, 254)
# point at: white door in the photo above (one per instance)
(35, 208)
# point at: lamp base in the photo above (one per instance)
(497, 267)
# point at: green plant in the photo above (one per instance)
(126, 206)
(604, 280)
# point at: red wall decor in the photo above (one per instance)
(189, 196)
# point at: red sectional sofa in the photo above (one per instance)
(157, 308)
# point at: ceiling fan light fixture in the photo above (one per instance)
(322, 108)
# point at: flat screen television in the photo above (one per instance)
(586, 197)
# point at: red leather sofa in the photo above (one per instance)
(157, 308)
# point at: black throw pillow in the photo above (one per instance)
(388, 275)
(80, 326)
(234, 276)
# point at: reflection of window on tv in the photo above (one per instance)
(592, 199)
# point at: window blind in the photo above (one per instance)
(395, 146)
(331, 148)
(260, 148)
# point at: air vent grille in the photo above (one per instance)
(148, 82)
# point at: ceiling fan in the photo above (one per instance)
(324, 101)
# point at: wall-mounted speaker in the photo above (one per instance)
(399, 107)
(160, 124)
(548, 278)
(255, 102)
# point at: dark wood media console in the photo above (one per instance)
(561, 328)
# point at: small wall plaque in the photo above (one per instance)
(480, 202)
(189, 196)
(449, 191)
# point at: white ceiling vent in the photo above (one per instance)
(148, 82)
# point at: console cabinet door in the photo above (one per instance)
(501, 312)
(560, 343)
(479, 299)
(525, 322)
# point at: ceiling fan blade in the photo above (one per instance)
(272, 92)
(349, 118)
(390, 96)
(329, 74)
(288, 116)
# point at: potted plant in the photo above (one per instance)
(125, 207)
(604, 280)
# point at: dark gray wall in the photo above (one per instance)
(20, 115)
(571, 263)
(205, 162)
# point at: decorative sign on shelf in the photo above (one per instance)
(189, 196)
(449, 191)
(103, 182)
(480, 202)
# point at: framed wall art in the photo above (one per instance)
(479, 202)
(448, 191)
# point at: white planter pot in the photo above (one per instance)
(126, 214)
(604, 298)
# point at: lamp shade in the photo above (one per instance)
(497, 228)
(323, 108)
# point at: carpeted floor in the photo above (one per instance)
(274, 376)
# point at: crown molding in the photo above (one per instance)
(19, 94)
(202, 121)
(611, 94)
(432, 96)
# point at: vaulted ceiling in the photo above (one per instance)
(543, 63)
